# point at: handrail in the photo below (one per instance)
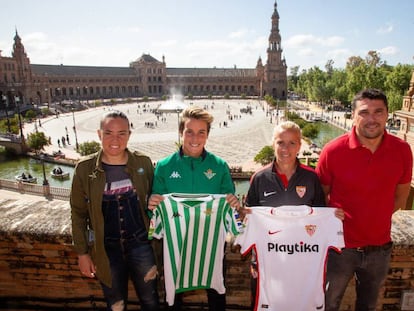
(40, 190)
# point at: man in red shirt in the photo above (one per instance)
(366, 172)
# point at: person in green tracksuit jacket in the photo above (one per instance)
(192, 169)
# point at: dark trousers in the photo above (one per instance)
(216, 301)
(369, 268)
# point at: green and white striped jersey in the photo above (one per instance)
(194, 228)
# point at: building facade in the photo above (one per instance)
(36, 84)
(406, 117)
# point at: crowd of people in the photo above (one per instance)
(121, 206)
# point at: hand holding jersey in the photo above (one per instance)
(291, 243)
(194, 229)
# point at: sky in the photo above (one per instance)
(207, 34)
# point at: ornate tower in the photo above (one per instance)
(275, 78)
(24, 73)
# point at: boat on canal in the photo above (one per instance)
(28, 178)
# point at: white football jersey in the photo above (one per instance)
(291, 244)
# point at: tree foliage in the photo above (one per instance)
(13, 124)
(265, 156)
(89, 147)
(338, 86)
(37, 141)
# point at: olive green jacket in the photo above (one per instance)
(86, 204)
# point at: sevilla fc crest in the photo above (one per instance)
(301, 190)
(310, 229)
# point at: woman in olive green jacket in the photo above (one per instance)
(96, 231)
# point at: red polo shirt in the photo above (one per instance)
(363, 184)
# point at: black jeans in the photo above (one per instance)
(216, 301)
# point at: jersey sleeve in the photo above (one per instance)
(156, 228)
(335, 227)
(233, 223)
(246, 239)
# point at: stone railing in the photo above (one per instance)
(35, 189)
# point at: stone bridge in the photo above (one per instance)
(13, 142)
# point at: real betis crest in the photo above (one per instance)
(209, 173)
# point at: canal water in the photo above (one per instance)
(326, 133)
(9, 168)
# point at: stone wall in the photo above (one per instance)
(39, 268)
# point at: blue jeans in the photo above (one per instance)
(131, 259)
(370, 268)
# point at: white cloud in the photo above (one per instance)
(201, 45)
(165, 43)
(299, 41)
(332, 41)
(388, 50)
(134, 29)
(338, 53)
(238, 34)
(120, 30)
(339, 56)
(388, 28)
(306, 52)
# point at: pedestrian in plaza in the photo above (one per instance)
(285, 181)
(192, 169)
(109, 220)
(367, 173)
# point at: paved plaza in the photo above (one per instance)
(235, 136)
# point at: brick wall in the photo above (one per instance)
(38, 267)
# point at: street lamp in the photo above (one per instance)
(45, 182)
(58, 98)
(74, 130)
(16, 101)
(277, 111)
(47, 98)
(6, 102)
(178, 120)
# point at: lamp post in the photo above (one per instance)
(17, 100)
(47, 98)
(6, 102)
(36, 107)
(277, 112)
(58, 98)
(78, 94)
(74, 130)
(45, 182)
(178, 121)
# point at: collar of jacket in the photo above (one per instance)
(203, 154)
(98, 162)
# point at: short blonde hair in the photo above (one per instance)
(287, 126)
(194, 112)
